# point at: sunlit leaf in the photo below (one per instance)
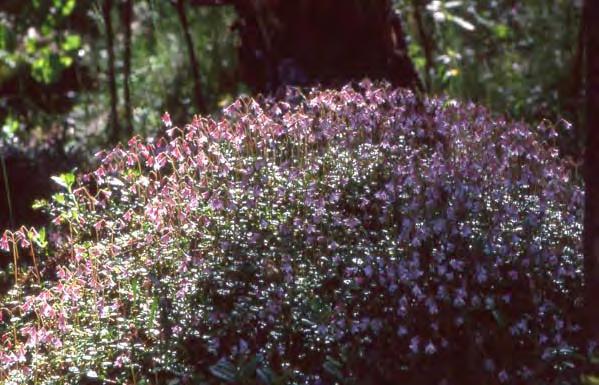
(65, 180)
(71, 42)
(333, 367)
(3, 36)
(10, 127)
(91, 374)
(461, 22)
(224, 370)
(502, 31)
(59, 198)
(68, 7)
(30, 45)
(39, 204)
(452, 4)
(66, 61)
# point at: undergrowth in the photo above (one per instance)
(357, 236)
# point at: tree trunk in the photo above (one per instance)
(306, 42)
(114, 120)
(591, 174)
(193, 61)
(426, 41)
(127, 16)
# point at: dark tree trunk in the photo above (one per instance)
(591, 166)
(305, 42)
(114, 120)
(127, 16)
(193, 61)
(426, 41)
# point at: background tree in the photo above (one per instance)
(127, 18)
(591, 218)
(114, 120)
(425, 40)
(193, 60)
(310, 41)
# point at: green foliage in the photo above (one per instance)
(57, 47)
(514, 57)
(161, 79)
(65, 180)
(37, 35)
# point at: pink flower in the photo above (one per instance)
(99, 225)
(160, 161)
(166, 119)
(415, 344)
(127, 215)
(4, 246)
(430, 348)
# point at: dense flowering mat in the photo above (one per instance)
(354, 236)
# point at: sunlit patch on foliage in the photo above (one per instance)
(353, 236)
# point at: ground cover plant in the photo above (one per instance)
(353, 236)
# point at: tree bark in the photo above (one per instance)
(193, 61)
(426, 42)
(127, 16)
(591, 167)
(307, 42)
(114, 120)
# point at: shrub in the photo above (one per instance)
(356, 236)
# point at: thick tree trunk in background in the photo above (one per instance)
(305, 42)
(426, 41)
(127, 16)
(591, 213)
(193, 61)
(114, 120)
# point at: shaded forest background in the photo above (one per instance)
(76, 75)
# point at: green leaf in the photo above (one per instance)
(3, 37)
(135, 289)
(71, 42)
(265, 376)
(40, 238)
(153, 312)
(224, 370)
(333, 367)
(46, 68)
(67, 7)
(66, 61)
(30, 45)
(91, 374)
(10, 127)
(501, 31)
(59, 198)
(461, 22)
(452, 4)
(116, 182)
(65, 180)
(69, 178)
(39, 204)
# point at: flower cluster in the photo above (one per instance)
(361, 235)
